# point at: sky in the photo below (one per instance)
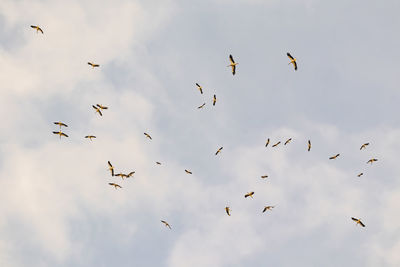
(57, 208)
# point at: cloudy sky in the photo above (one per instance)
(56, 206)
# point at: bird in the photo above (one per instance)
(364, 146)
(200, 88)
(249, 195)
(287, 141)
(371, 161)
(276, 144)
(219, 150)
(60, 134)
(358, 221)
(115, 185)
(148, 136)
(90, 137)
(188, 172)
(97, 110)
(334, 157)
(201, 106)
(264, 176)
(267, 208)
(37, 28)
(101, 106)
(59, 123)
(232, 65)
(267, 143)
(111, 168)
(359, 175)
(214, 100)
(93, 65)
(166, 224)
(309, 145)
(159, 163)
(130, 174)
(227, 209)
(292, 61)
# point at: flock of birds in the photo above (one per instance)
(99, 108)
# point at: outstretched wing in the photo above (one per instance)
(289, 55)
(231, 59)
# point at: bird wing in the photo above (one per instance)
(109, 164)
(33, 26)
(295, 65)
(233, 70)
(39, 29)
(265, 208)
(363, 225)
(354, 219)
(64, 134)
(267, 143)
(290, 56)
(231, 59)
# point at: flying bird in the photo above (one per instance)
(159, 163)
(188, 172)
(334, 157)
(276, 144)
(292, 61)
(219, 150)
(90, 137)
(364, 146)
(59, 123)
(101, 107)
(201, 106)
(287, 141)
(200, 88)
(266, 144)
(97, 110)
(93, 65)
(249, 195)
(268, 208)
(358, 221)
(371, 161)
(214, 100)
(264, 176)
(60, 134)
(359, 175)
(115, 185)
(309, 145)
(111, 168)
(37, 28)
(148, 136)
(166, 224)
(232, 65)
(228, 210)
